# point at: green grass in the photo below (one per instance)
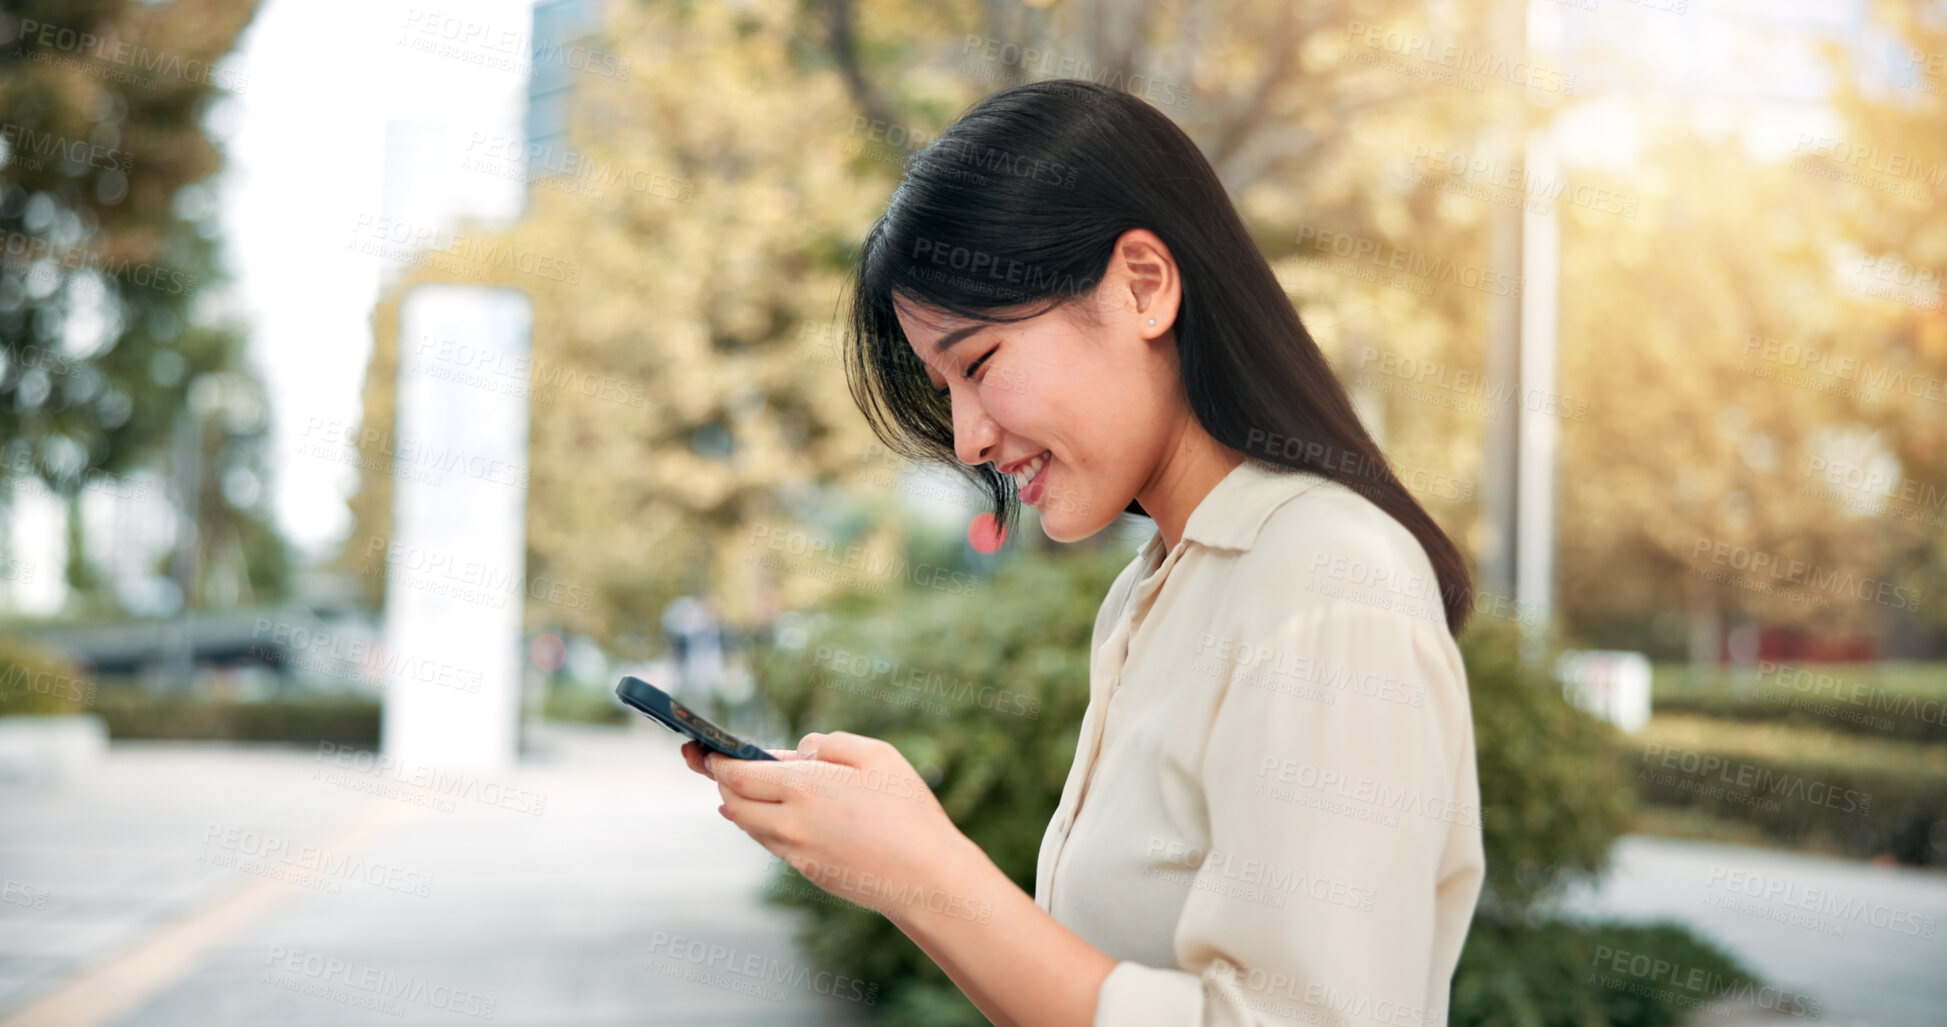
(1681, 680)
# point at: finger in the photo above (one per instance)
(757, 819)
(693, 755)
(785, 754)
(839, 747)
(767, 782)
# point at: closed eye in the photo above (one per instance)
(977, 363)
(971, 368)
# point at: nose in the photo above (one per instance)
(974, 433)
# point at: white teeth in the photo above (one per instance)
(1030, 469)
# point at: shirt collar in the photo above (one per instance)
(1233, 512)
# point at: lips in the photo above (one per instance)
(1036, 472)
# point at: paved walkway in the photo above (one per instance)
(213, 886)
(1867, 944)
(205, 885)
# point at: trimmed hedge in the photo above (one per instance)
(344, 721)
(34, 681)
(1902, 717)
(1885, 700)
(1800, 787)
(1515, 976)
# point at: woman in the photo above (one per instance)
(1272, 816)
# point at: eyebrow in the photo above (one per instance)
(955, 336)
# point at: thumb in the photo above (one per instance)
(836, 747)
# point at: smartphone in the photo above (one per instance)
(663, 708)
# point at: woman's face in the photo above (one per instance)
(1092, 385)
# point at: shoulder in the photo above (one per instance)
(1330, 544)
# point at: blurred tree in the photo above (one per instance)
(110, 322)
(1691, 470)
(765, 137)
(1886, 171)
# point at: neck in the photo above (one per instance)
(1192, 465)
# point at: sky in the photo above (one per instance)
(305, 179)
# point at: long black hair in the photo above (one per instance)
(1020, 203)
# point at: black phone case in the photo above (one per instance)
(660, 706)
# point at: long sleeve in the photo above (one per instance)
(1343, 809)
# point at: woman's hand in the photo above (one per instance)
(693, 755)
(850, 813)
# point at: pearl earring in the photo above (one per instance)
(1152, 320)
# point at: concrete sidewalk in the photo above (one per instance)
(1865, 945)
(210, 885)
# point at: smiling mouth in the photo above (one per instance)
(1029, 479)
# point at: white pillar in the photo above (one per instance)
(456, 561)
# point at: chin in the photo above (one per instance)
(1068, 526)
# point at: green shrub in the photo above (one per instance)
(132, 714)
(1899, 716)
(1864, 797)
(1885, 699)
(34, 681)
(912, 669)
(583, 705)
(1558, 973)
(1552, 796)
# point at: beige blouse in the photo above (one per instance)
(1272, 816)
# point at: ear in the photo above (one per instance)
(1147, 284)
